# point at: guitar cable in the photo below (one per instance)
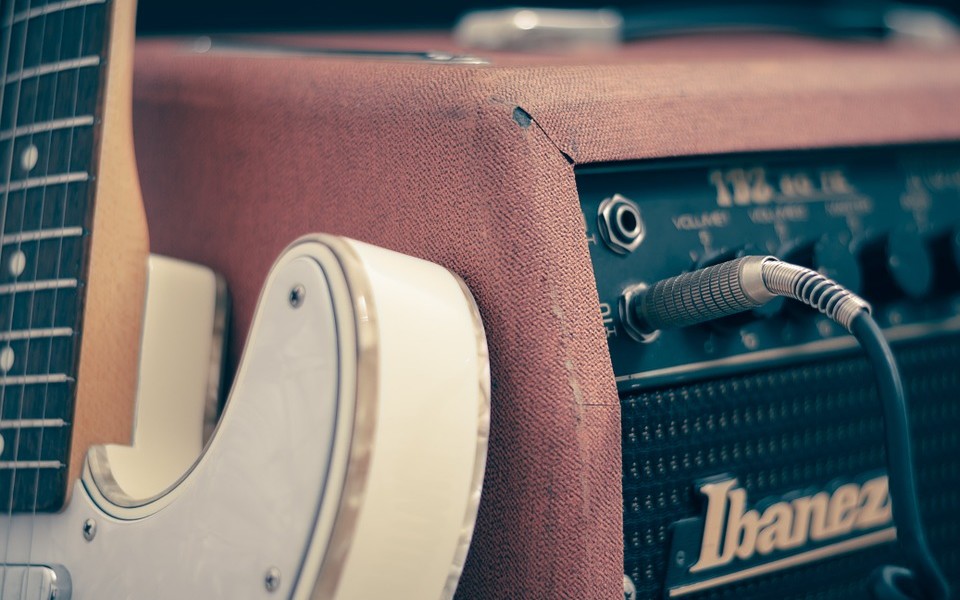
(751, 281)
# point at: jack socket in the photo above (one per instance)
(620, 224)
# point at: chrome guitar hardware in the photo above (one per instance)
(35, 582)
(272, 579)
(297, 295)
(89, 530)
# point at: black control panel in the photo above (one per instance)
(884, 222)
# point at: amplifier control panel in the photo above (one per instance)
(883, 222)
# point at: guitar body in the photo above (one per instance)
(349, 455)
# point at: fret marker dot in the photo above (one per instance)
(6, 359)
(18, 262)
(1, 444)
(29, 158)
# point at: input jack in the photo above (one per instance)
(621, 226)
(629, 318)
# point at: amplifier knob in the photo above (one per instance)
(946, 251)
(895, 265)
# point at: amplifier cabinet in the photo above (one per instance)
(472, 162)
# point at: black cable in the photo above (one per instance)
(891, 582)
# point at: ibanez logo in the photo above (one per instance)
(733, 541)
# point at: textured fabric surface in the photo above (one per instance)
(472, 167)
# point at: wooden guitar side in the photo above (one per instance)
(116, 279)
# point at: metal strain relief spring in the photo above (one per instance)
(815, 290)
(702, 295)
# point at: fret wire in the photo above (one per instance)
(31, 464)
(41, 234)
(43, 127)
(31, 423)
(23, 334)
(26, 184)
(35, 286)
(35, 379)
(56, 67)
(49, 8)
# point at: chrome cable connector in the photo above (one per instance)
(732, 287)
(813, 289)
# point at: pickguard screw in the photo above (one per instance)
(272, 579)
(297, 294)
(681, 558)
(89, 530)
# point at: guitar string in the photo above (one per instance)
(15, 113)
(7, 45)
(59, 261)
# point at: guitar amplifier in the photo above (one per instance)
(739, 459)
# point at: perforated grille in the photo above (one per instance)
(781, 430)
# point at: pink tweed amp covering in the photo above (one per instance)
(472, 166)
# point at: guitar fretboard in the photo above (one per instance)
(52, 54)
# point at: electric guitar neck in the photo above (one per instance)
(74, 243)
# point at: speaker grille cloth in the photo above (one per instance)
(787, 429)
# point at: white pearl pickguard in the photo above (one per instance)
(280, 480)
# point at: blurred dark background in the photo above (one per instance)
(167, 16)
